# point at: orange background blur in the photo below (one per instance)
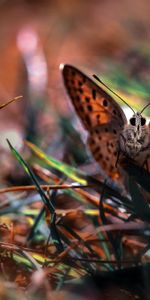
(36, 36)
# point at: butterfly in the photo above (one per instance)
(109, 133)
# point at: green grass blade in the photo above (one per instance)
(70, 172)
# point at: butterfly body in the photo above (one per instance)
(106, 123)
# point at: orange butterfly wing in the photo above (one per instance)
(99, 113)
(103, 146)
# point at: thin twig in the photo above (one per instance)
(44, 187)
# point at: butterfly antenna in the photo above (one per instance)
(97, 78)
(144, 108)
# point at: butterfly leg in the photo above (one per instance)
(146, 165)
(118, 154)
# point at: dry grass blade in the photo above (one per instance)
(10, 101)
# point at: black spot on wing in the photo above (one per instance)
(88, 121)
(87, 99)
(105, 102)
(80, 91)
(80, 83)
(89, 107)
(94, 94)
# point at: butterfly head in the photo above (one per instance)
(137, 120)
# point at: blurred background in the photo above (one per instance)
(43, 250)
(110, 38)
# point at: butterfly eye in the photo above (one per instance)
(143, 121)
(132, 121)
